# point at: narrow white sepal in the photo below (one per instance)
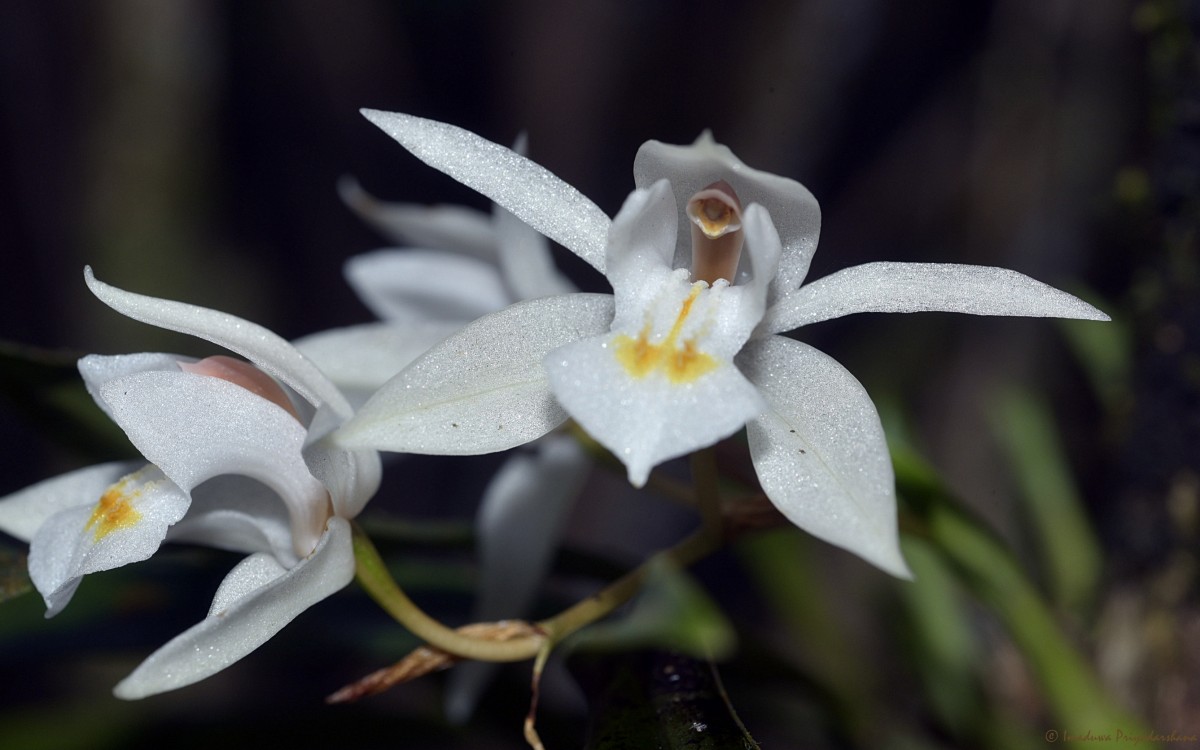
(481, 390)
(416, 284)
(270, 352)
(455, 228)
(533, 193)
(918, 287)
(820, 453)
(359, 359)
(243, 624)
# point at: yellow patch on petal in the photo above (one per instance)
(681, 362)
(114, 511)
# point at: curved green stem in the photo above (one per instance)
(374, 577)
(373, 574)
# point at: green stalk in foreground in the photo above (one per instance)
(1072, 689)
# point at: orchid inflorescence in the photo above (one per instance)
(484, 346)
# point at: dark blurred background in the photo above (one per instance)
(190, 149)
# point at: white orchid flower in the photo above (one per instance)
(235, 462)
(676, 361)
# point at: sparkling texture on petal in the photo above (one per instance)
(257, 344)
(692, 168)
(415, 284)
(645, 421)
(98, 369)
(820, 452)
(124, 523)
(253, 573)
(196, 427)
(483, 389)
(917, 287)
(530, 191)
(243, 624)
(23, 512)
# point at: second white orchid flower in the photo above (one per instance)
(235, 462)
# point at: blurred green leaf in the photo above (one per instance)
(945, 652)
(1068, 548)
(782, 569)
(45, 387)
(14, 575)
(986, 568)
(88, 726)
(657, 699)
(672, 612)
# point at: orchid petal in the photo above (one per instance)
(359, 359)
(520, 521)
(454, 228)
(351, 476)
(426, 284)
(123, 524)
(820, 452)
(917, 287)
(261, 346)
(195, 427)
(531, 192)
(251, 574)
(239, 514)
(645, 421)
(639, 249)
(481, 390)
(519, 524)
(692, 168)
(525, 259)
(23, 512)
(98, 369)
(245, 623)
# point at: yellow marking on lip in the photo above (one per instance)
(681, 362)
(113, 511)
